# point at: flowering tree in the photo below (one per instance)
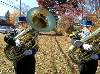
(74, 10)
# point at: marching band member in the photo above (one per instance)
(88, 67)
(25, 64)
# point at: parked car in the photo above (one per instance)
(4, 29)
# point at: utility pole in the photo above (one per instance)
(20, 7)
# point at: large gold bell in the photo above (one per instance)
(41, 19)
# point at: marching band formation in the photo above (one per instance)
(22, 47)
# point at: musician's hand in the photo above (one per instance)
(18, 43)
(27, 52)
(87, 47)
(95, 57)
(9, 40)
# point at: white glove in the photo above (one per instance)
(27, 52)
(87, 47)
(94, 56)
(18, 43)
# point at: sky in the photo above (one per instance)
(4, 7)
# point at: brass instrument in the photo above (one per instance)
(80, 55)
(28, 41)
(39, 20)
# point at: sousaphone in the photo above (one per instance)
(39, 19)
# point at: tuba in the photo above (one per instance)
(39, 20)
(78, 55)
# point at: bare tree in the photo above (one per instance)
(7, 16)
